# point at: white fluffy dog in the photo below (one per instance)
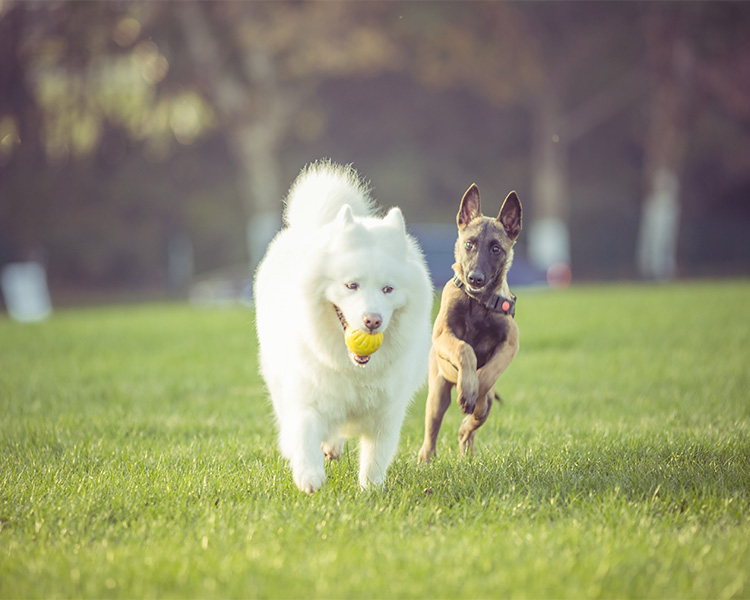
(336, 265)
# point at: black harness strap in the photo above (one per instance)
(496, 302)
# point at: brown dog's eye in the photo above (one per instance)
(496, 249)
(468, 245)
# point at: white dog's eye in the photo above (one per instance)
(387, 289)
(353, 285)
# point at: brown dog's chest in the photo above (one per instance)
(484, 330)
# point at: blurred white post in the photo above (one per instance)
(25, 291)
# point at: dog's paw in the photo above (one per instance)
(309, 481)
(425, 455)
(373, 480)
(468, 390)
(333, 451)
(467, 405)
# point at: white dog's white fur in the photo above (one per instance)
(331, 241)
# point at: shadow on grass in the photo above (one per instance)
(678, 477)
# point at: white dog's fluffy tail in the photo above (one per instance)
(321, 189)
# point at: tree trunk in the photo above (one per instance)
(554, 133)
(659, 227)
(658, 232)
(548, 238)
(259, 180)
(255, 113)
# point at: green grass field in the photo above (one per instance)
(139, 461)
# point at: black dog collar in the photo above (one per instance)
(496, 302)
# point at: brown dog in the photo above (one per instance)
(475, 336)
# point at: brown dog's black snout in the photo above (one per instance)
(476, 279)
(372, 321)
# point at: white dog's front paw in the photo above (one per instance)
(374, 479)
(309, 481)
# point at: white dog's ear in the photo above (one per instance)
(345, 217)
(395, 219)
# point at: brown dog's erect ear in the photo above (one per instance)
(470, 207)
(510, 215)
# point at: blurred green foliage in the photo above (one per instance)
(125, 124)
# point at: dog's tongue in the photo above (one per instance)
(360, 361)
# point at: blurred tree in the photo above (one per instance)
(570, 64)
(671, 61)
(691, 48)
(45, 117)
(260, 64)
(134, 116)
(587, 77)
(83, 83)
(20, 136)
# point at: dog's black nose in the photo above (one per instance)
(476, 279)
(372, 321)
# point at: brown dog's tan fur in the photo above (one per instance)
(472, 345)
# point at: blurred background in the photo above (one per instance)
(145, 147)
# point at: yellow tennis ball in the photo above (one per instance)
(362, 343)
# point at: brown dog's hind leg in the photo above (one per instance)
(438, 401)
(472, 422)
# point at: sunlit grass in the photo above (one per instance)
(138, 460)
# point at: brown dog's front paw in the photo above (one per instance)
(467, 405)
(468, 389)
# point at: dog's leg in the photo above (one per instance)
(472, 422)
(438, 401)
(377, 449)
(487, 377)
(300, 437)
